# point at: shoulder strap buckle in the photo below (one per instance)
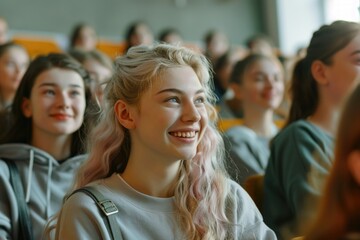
(108, 207)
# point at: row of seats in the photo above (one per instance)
(42, 45)
(225, 124)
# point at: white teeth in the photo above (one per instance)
(184, 134)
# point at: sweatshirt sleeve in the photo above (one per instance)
(80, 218)
(299, 163)
(8, 206)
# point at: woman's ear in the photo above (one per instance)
(354, 165)
(318, 70)
(26, 108)
(124, 115)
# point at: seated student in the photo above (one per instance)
(157, 156)
(339, 214)
(216, 44)
(258, 81)
(138, 33)
(45, 141)
(223, 68)
(301, 155)
(260, 44)
(171, 36)
(100, 68)
(83, 36)
(14, 61)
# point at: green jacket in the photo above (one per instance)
(301, 156)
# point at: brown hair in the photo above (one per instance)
(339, 211)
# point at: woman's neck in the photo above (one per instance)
(326, 117)
(150, 177)
(58, 147)
(259, 121)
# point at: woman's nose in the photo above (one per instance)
(191, 113)
(63, 101)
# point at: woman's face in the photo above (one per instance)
(344, 72)
(171, 117)
(99, 75)
(57, 103)
(262, 85)
(87, 39)
(13, 64)
(141, 36)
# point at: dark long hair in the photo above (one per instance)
(339, 206)
(325, 42)
(20, 130)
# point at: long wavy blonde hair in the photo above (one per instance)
(202, 191)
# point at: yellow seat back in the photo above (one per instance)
(37, 45)
(112, 49)
(254, 186)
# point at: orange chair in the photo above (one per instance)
(112, 49)
(37, 45)
(226, 124)
(254, 186)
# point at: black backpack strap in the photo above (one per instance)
(108, 209)
(25, 226)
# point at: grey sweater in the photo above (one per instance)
(248, 152)
(45, 183)
(145, 217)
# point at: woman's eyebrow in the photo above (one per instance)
(54, 85)
(175, 90)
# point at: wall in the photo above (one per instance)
(239, 19)
(297, 20)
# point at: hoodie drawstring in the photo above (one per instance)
(31, 166)
(48, 190)
(48, 187)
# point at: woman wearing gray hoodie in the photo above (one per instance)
(45, 141)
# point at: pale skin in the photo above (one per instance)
(261, 91)
(164, 130)
(56, 106)
(335, 82)
(13, 64)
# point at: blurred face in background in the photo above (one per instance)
(13, 64)
(343, 74)
(87, 38)
(262, 85)
(99, 74)
(142, 36)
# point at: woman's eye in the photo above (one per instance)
(200, 100)
(49, 92)
(173, 100)
(260, 78)
(74, 93)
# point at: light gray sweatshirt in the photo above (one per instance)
(45, 183)
(145, 217)
(249, 153)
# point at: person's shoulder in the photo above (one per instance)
(299, 130)
(240, 133)
(243, 207)
(241, 196)
(80, 199)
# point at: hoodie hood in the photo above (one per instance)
(28, 158)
